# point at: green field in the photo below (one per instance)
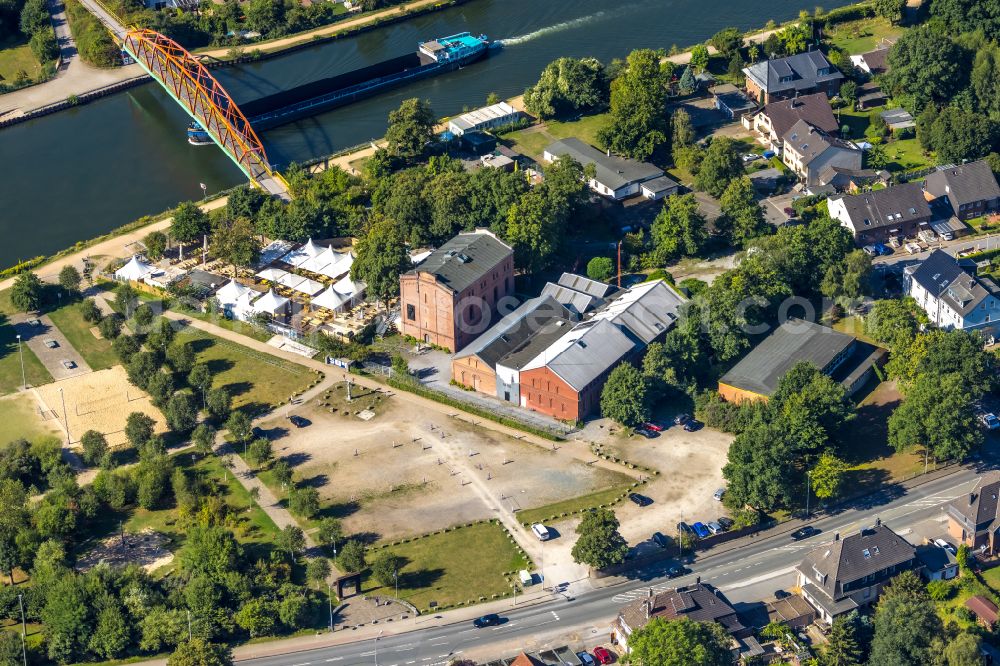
(572, 505)
(17, 414)
(96, 352)
(16, 55)
(257, 381)
(857, 37)
(439, 567)
(533, 140)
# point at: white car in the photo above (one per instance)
(941, 543)
(68, 364)
(50, 343)
(541, 532)
(719, 493)
(870, 250)
(989, 420)
(751, 157)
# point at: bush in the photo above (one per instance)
(940, 590)
(95, 447)
(44, 45)
(93, 41)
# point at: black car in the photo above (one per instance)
(297, 421)
(781, 594)
(681, 419)
(675, 571)
(641, 500)
(490, 620)
(659, 539)
(804, 532)
(648, 434)
(693, 425)
(685, 528)
(726, 522)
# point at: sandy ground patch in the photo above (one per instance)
(98, 401)
(147, 549)
(413, 471)
(23, 417)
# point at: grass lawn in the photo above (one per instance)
(16, 55)
(20, 420)
(533, 140)
(96, 352)
(257, 381)
(595, 499)
(906, 155)
(233, 325)
(857, 37)
(439, 567)
(10, 363)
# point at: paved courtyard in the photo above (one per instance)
(39, 338)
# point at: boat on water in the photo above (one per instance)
(431, 58)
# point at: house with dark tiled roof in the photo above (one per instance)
(873, 217)
(952, 295)
(809, 152)
(873, 63)
(849, 573)
(454, 294)
(614, 176)
(699, 602)
(974, 519)
(970, 190)
(776, 118)
(799, 74)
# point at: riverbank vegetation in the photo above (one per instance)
(93, 41)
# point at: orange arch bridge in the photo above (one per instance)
(206, 101)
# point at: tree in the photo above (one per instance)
(199, 652)
(735, 67)
(26, 294)
(69, 279)
(239, 426)
(141, 368)
(926, 66)
(678, 229)
(95, 447)
(534, 231)
(181, 357)
(625, 397)
(352, 557)
(143, 315)
(110, 327)
(14, 517)
(957, 135)
(599, 545)
(567, 85)
(600, 268)
(156, 244)
(290, 540)
(89, 311)
(264, 16)
(259, 453)
(687, 83)
(968, 16)
(638, 120)
(905, 623)
(964, 650)
(894, 322)
(220, 405)
(330, 533)
(759, 471)
(727, 41)
(317, 570)
(742, 216)
(236, 244)
(722, 164)
(34, 17)
(381, 257)
(683, 129)
(112, 634)
(64, 614)
(182, 412)
(209, 551)
(938, 414)
(699, 58)
(842, 647)
(827, 476)
(848, 281)
(303, 502)
(203, 438)
(44, 46)
(190, 223)
(386, 566)
(680, 642)
(411, 127)
(890, 9)
(849, 92)
(126, 299)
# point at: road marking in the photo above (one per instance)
(367, 654)
(305, 663)
(334, 659)
(441, 643)
(554, 615)
(441, 656)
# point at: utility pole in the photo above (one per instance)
(395, 578)
(329, 598)
(189, 624)
(24, 381)
(65, 415)
(376, 645)
(808, 478)
(24, 627)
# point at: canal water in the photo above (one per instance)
(79, 173)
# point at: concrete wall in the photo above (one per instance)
(472, 372)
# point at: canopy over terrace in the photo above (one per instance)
(276, 250)
(135, 270)
(271, 303)
(329, 263)
(344, 293)
(290, 280)
(302, 254)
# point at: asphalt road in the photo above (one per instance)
(588, 615)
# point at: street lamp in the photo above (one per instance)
(65, 415)
(376, 645)
(808, 478)
(395, 578)
(329, 598)
(24, 628)
(24, 382)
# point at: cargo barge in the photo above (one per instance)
(431, 58)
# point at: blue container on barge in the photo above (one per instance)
(435, 57)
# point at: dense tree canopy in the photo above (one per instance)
(638, 123)
(411, 127)
(599, 543)
(926, 66)
(568, 85)
(625, 396)
(680, 642)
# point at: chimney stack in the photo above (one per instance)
(972, 498)
(697, 581)
(647, 606)
(836, 536)
(878, 522)
(649, 593)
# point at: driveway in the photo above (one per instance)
(36, 336)
(774, 207)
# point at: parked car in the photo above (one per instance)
(654, 426)
(659, 539)
(726, 522)
(715, 528)
(870, 250)
(941, 543)
(648, 434)
(50, 343)
(804, 532)
(68, 364)
(781, 594)
(718, 494)
(585, 659)
(750, 157)
(641, 500)
(297, 421)
(490, 620)
(675, 571)
(684, 528)
(989, 420)
(602, 655)
(693, 425)
(894, 242)
(883, 249)
(700, 530)
(947, 236)
(541, 532)
(789, 212)
(681, 419)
